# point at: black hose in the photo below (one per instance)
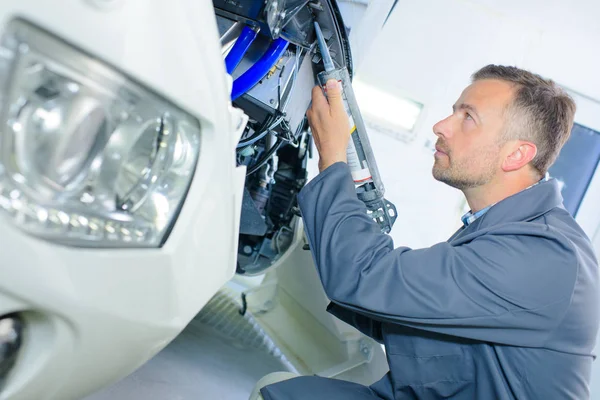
(260, 132)
(266, 157)
(252, 139)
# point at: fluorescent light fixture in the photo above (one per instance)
(385, 108)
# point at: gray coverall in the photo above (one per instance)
(507, 308)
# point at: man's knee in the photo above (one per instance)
(269, 380)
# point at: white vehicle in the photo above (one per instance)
(132, 189)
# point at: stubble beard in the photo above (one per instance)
(457, 174)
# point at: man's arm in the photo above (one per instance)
(515, 279)
(364, 323)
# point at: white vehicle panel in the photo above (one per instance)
(94, 315)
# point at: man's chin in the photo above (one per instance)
(440, 176)
(443, 179)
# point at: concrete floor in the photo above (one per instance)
(217, 356)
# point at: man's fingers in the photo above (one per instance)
(309, 116)
(333, 102)
(334, 95)
(318, 98)
(314, 131)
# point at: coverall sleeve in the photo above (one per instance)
(511, 285)
(364, 323)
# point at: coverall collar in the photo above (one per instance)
(522, 206)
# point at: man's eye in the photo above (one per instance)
(468, 116)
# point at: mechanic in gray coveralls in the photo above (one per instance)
(507, 308)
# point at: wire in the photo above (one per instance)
(279, 89)
(256, 131)
(296, 66)
(263, 131)
(276, 123)
(252, 139)
(266, 157)
(260, 133)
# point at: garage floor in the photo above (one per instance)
(220, 355)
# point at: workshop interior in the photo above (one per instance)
(151, 155)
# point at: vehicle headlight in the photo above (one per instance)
(88, 157)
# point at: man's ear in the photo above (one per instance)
(521, 154)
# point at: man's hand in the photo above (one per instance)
(329, 124)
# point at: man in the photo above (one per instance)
(507, 308)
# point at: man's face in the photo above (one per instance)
(469, 140)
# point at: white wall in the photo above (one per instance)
(428, 50)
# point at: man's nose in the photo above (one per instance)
(443, 128)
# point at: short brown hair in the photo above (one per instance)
(541, 112)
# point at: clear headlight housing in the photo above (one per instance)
(88, 157)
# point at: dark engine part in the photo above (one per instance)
(252, 222)
(290, 19)
(257, 252)
(286, 88)
(276, 143)
(267, 15)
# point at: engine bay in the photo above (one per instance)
(269, 48)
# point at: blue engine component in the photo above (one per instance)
(257, 71)
(240, 47)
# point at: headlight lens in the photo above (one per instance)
(88, 157)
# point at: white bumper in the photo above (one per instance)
(94, 315)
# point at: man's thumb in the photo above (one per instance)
(334, 95)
